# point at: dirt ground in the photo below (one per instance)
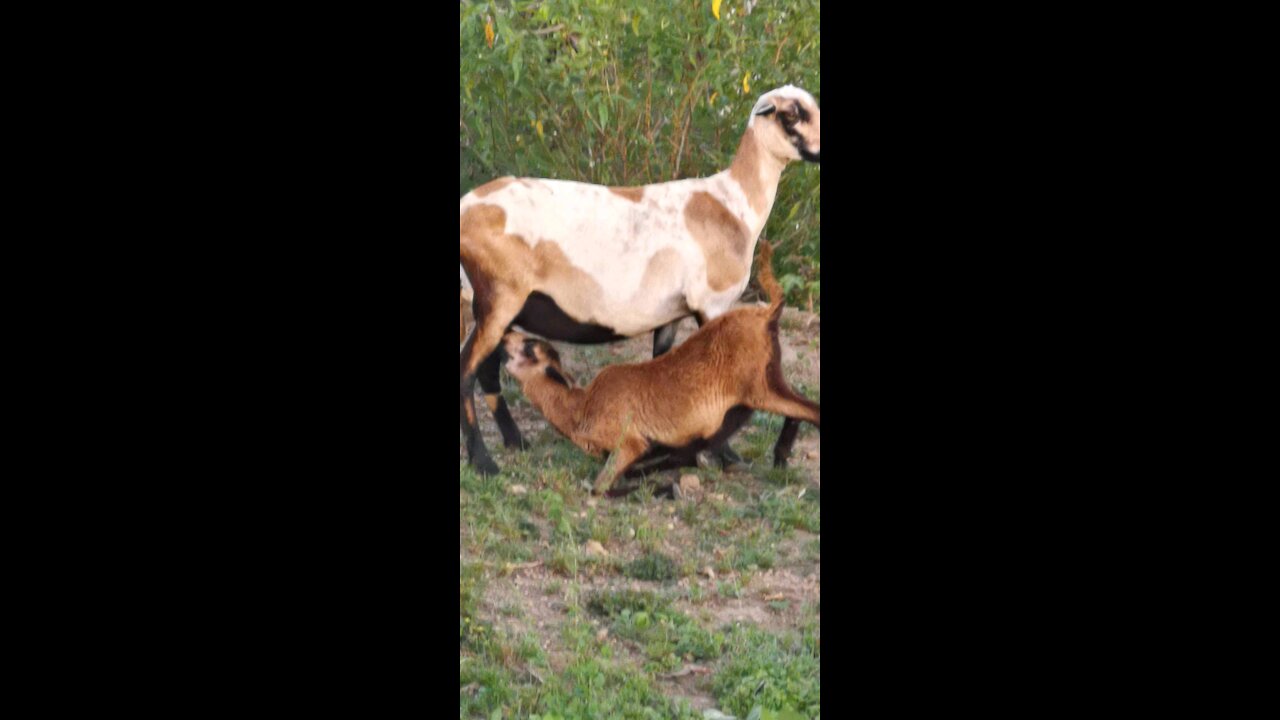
(529, 597)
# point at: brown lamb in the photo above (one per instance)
(693, 397)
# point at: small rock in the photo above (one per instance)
(593, 548)
(604, 633)
(690, 484)
(711, 574)
(517, 489)
(671, 526)
(631, 532)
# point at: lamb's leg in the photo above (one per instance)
(778, 397)
(492, 387)
(786, 439)
(722, 452)
(664, 337)
(630, 450)
(483, 342)
(795, 408)
(728, 458)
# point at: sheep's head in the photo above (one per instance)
(528, 358)
(787, 121)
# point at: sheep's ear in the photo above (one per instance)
(764, 108)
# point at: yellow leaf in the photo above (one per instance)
(746, 86)
(488, 32)
(712, 101)
(715, 8)
(539, 128)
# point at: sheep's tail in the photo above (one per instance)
(768, 282)
(462, 278)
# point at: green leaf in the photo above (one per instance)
(516, 61)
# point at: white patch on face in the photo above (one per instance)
(773, 137)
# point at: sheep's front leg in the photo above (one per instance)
(484, 340)
(631, 449)
(492, 388)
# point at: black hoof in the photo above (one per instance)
(730, 460)
(780, 462)
(486, 466)
(516, 443)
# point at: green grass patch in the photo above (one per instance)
(775, 672)
(653, 566)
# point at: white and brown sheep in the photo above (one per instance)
(695, 396)
(585, 263)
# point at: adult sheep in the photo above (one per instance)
(583, 263)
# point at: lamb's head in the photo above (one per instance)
(787, 122)
(528, 358)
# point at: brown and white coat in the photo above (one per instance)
(588, 263)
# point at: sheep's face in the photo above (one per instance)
(788, 122)
(528, 358)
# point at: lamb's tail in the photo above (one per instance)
(768, 282)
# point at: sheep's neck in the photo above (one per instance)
(557, 403)
(757, 171)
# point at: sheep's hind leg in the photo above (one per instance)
(492, 388)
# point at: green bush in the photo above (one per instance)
(629, 92)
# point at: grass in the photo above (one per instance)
(702, 602)
(773, 671)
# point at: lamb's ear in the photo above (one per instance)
(764, 107)
(557, 377)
